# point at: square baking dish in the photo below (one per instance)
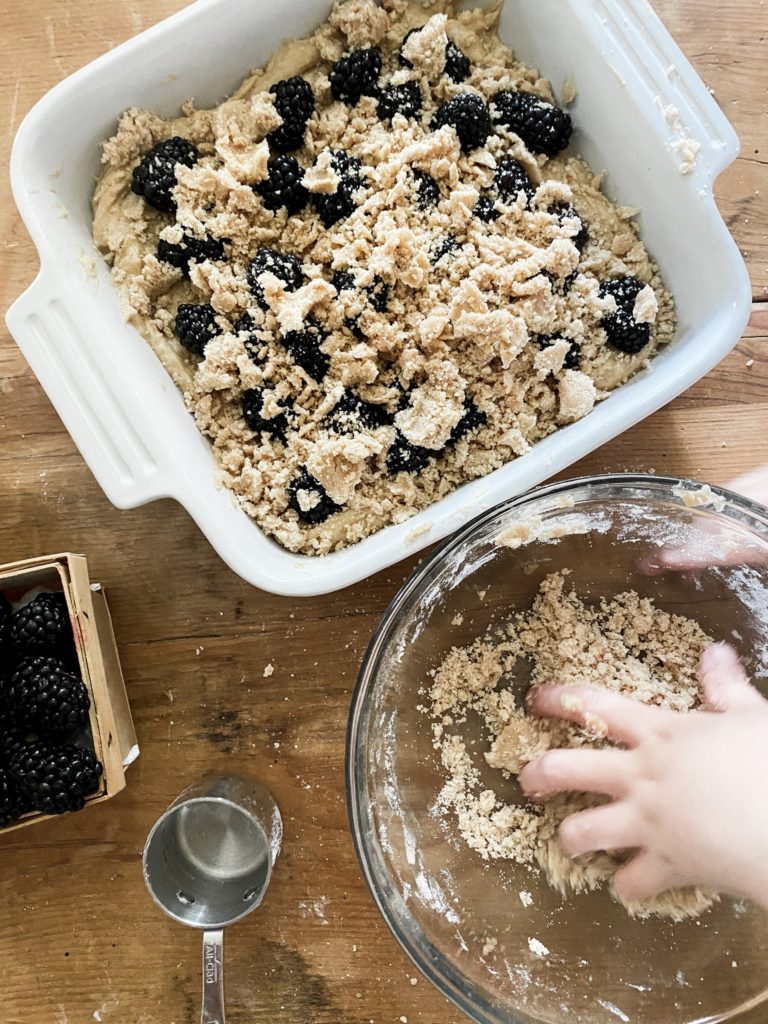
(639, 108)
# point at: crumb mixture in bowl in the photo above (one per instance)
(377, 272)
(626, 644)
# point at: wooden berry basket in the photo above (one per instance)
(111, 724)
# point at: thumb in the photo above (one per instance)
(724, 680)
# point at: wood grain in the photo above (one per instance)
(82, 940)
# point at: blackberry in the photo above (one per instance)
(155, 177)
(404, 457)
(543, 127)
(569, 281)
(445, 247)
(403, 59)
(282, 264)
(244, 324)
(353, 324)
(196, 326)
(378, 295)
(284, 188)
(353, 413)
(485, 209)
(402, 99)
(625, 333)
(355, 75)
(322, 508)
(565, 211)
(343, 281)
(472, 419)
(295, 103)
(457, 65)
(6, 620)
(510, 179)
(621, 328)
(12, 803)
(55, 780)
(253, 402)
(561, 285)
(468, 114)
(46, 697)
(181, 254)
(341, 203)
(253, 342)
(427, 188)
(11, 739)
(304, 349)
(572, 359)
(624, 290)
(42, 625)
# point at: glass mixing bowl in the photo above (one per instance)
(461, 919)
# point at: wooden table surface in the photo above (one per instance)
(79, 939)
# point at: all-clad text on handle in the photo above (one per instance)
(213, 978)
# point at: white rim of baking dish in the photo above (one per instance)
(135, 466)
(391, 903)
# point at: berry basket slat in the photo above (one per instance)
(111, 724)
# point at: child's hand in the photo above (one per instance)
(752, 485)
(722, 548)
(688, 792)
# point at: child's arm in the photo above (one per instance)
(688, 792)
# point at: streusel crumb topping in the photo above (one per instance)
(379, 270)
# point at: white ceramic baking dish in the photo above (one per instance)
(119, 404)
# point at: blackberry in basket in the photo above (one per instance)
(12, 803)
(46, 697)
(42, 625)
(6, 625)
(55, 780)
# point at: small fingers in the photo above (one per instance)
(643, 878)
(609, 827)
(710, 544)
(602, 712)
(724, 680)
(579, 771)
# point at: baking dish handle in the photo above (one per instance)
(644, 49)
(66, 360)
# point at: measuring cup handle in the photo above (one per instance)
(213, 978)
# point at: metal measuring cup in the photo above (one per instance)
(207, 864)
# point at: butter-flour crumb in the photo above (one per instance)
(627, 645)
(699, 497)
